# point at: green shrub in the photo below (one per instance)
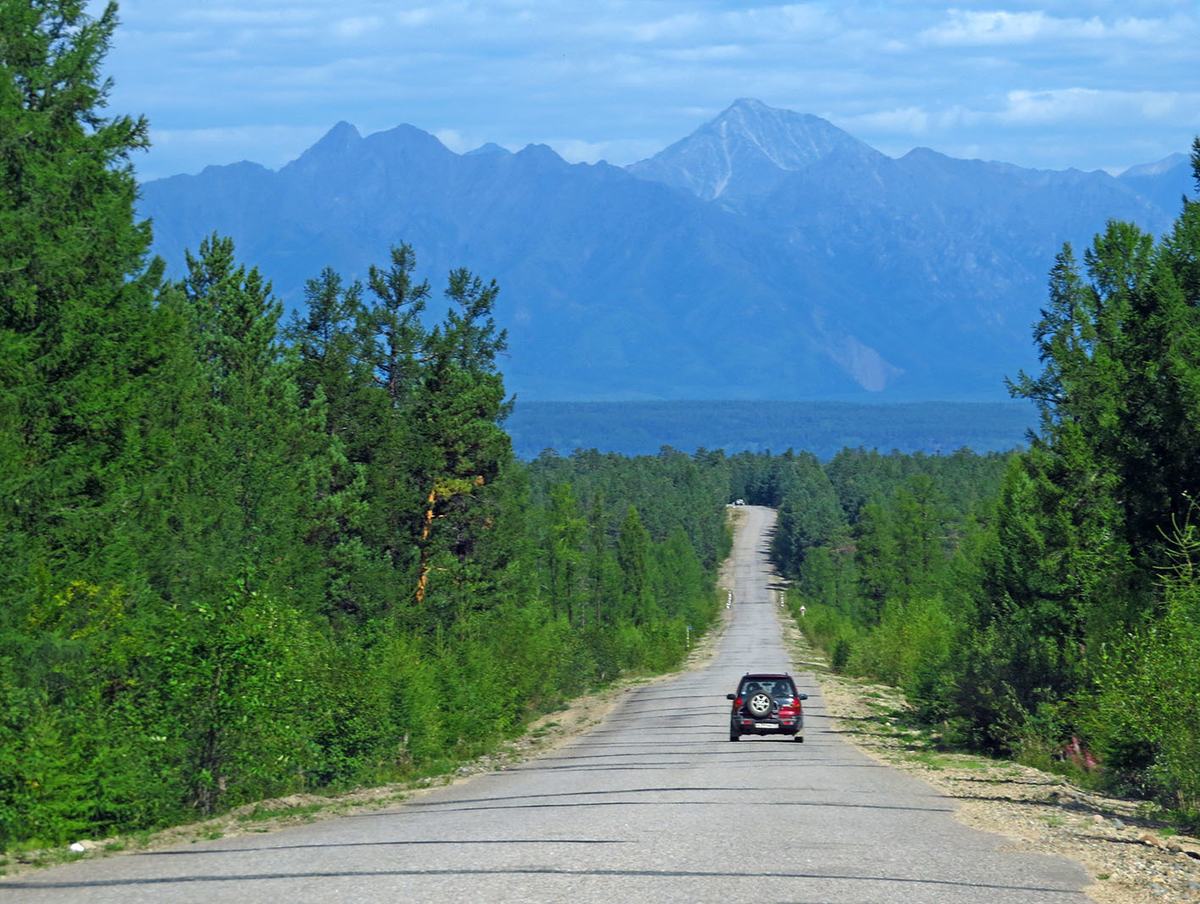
(1149, 701)
(840, 657)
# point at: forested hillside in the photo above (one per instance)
(1044, 604)
(241, 557)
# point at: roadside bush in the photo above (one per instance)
(349, 736)
(246, 675)
(1149, 701)
(602, 648)
(83, 738)
(829, 631)
(911, 646)
(410, 681)
(839, 658)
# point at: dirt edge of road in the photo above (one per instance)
(1131, 858)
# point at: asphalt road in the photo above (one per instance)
(654, 804)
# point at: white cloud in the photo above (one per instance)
(795, 21)
(270, 145)
(904, 121)
(1001, 27)
(575, 150)
(1073, 105)
(1067, 108)
(454, 140)
(249, 15)
(671, 29)
(617, 152)
(357, 26)
(711, 53)
(414, 18)
(997, 27)
(1012, 74)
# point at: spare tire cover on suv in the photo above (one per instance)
(759, 704)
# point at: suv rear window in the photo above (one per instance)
(776, 687)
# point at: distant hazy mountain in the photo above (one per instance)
(1164, 183)
(748, 150)
(490, 148)
(769, 255)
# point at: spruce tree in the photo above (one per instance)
(267, 458)
(334, 373)
(464, 454)
(566, 535)
(75, 288)
(81, 349)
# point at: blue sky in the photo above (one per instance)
(1050, 85)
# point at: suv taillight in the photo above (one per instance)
(737, 703)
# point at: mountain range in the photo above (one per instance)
(768, 255)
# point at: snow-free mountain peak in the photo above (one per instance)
(1157, 168)
(490, 148)
(1164, 182)
(747, 149)
(337, 145)
(337, 140)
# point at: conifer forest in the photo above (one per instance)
(244, 554)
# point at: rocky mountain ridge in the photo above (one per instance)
(768, 255)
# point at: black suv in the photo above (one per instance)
(766, 704)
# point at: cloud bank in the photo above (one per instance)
(1089, 84)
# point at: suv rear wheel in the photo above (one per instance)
(759, 704)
